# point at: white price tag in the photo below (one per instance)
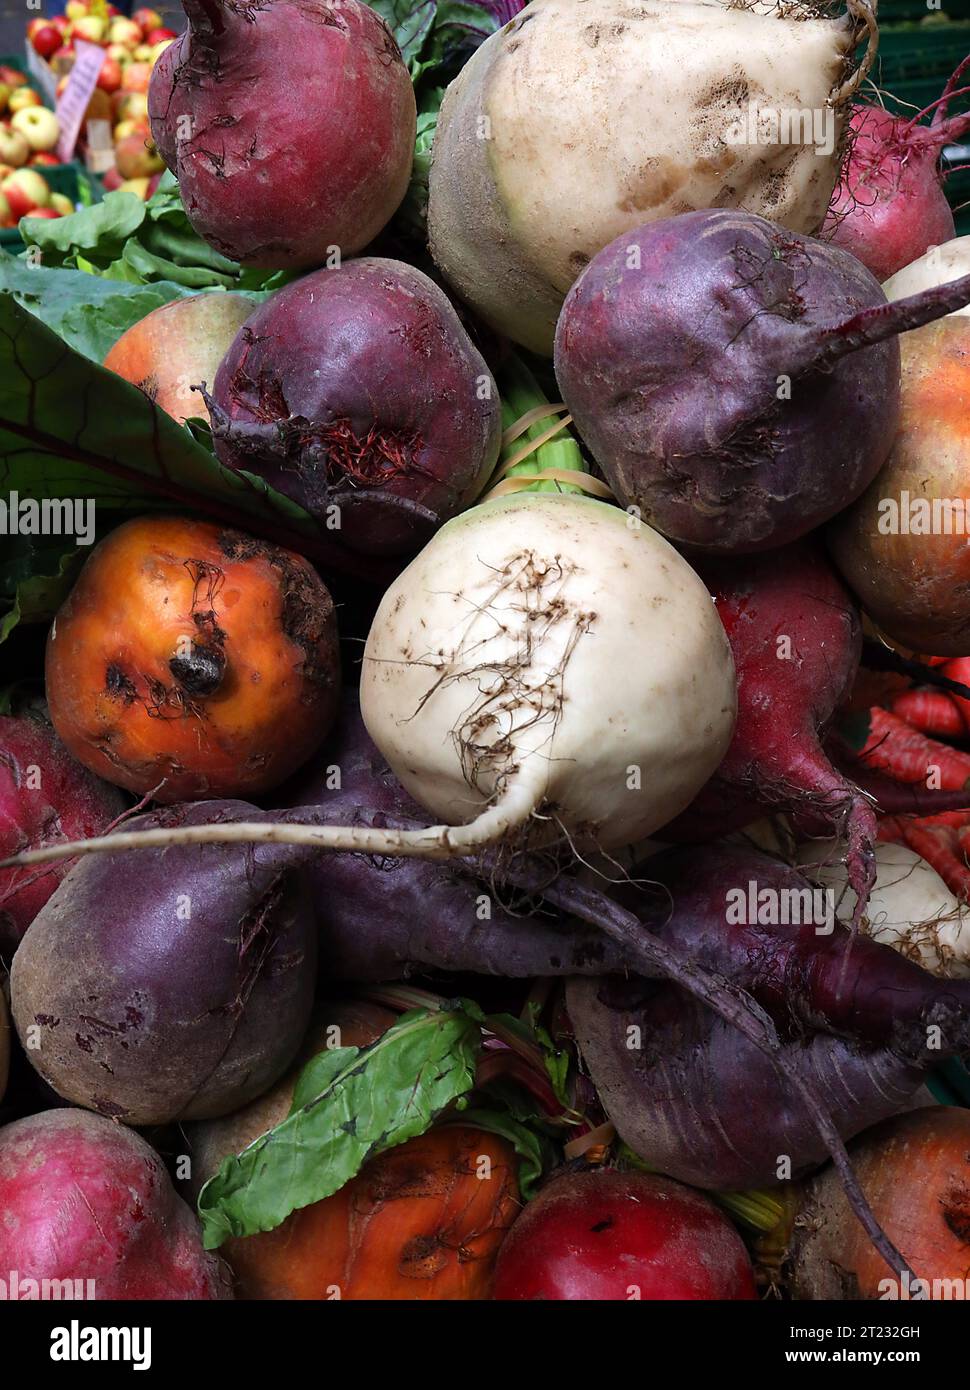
(74, 99)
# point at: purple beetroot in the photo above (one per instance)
(357, 392)
(175, 987)
(735, 381)
(889, 207)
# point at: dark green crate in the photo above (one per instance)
(74, 180)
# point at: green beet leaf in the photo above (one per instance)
(349, 1105)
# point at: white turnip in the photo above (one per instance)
(571, 126)
(938, 266)
(910, 907)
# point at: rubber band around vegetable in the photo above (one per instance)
(594, 486)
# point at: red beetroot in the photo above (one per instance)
(358, 393)
(290, 126)
(889, 206)
(85, 1199)
(45, 796)
(796, 639)
(604, 1235)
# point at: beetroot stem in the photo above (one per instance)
(884, 321)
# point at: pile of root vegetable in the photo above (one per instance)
(485, 810)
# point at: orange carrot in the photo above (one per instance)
(930, 712)
(908, 756)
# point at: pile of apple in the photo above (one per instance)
(28, 130)
(132, 47)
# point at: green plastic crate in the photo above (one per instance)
(77, 182)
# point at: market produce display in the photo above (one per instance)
(485, 699)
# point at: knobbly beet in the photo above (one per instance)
(87, 1200)
(796, 639)
(45, 796)
(416, 1223)
(915, 1169)
(290, 127)
(889, 206)
(736, 382)
(601, 1234)
(175, 987)
(358, 393)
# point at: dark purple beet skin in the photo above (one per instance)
(175, 984)
(701, 1103)
(357, 392)
(674, 368)
(384, 919)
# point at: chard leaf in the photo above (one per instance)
(89, 313)
(349, 1105)
(36, 574)
(102, 227)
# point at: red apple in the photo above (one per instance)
(91, 27)
(23, 97)
(43, 159)
(10, 77)
(112, 180)
(25, 190)
(7, 218)
(136, 77)
(47, 213)
(125, 31)
(160, 36)
(46, 41)
(14, 147)
(147, 20)
(137, 158)
(109, 78)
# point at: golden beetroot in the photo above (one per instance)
(191, 660)
(915, 1170)
(178, 346)
(423, 1221)
(903, 545)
